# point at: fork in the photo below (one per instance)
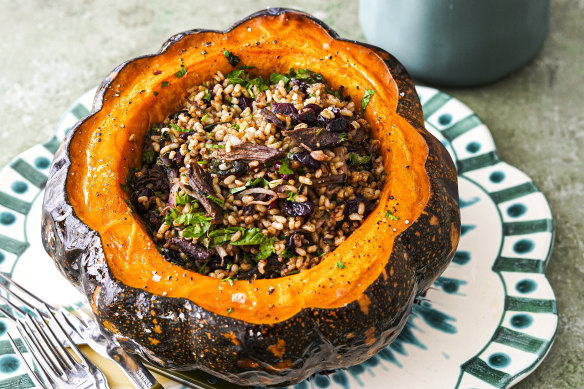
(83, 329)
(57, 366)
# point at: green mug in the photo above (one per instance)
(457, 42)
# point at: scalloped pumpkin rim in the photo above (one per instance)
(341, 279)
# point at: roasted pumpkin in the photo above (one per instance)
(269, 331)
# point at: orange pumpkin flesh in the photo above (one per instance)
(100, 167)
(240, 332)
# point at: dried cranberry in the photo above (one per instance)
(284, 109)
(304, 158)
(293, 208)
(185, 135)
(352, 206)
(324, 121)
(307, 116)
(245, 102)
(316, 108)
(339, 125)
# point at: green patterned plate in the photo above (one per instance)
(486, 323)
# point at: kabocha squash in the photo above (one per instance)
(267, 331)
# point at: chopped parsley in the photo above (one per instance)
(391, 216)
(181, 72)
(343, 136)
(356, 160)
(155, 93)
(366, 99)
(205, 116)
(216, 200)
(123, 186)
(249, 236)
(228, 279)
(235, 126)
(148, 157)
(229, 310)
(241, 77)
(207, 96)
(210, 146)
(184, 199)
(340, 265)
(231, 58)
(285, 168)
(266, 248)
(277, 77)
(176, 127)
(164, 84)
(257, 181)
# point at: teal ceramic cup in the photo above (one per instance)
(457, 42)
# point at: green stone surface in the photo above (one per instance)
(53, 51)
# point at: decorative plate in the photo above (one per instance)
(486, 323)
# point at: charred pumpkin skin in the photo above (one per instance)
(175, 332)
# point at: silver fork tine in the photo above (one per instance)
(59, 319)
(37, 341)
(35, 352)
(65, 359)
(33, 375)
(10, 281)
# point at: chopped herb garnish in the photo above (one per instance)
(148, 157)
(334, 93)
(249, 236)
(181, 72)
(266, 248)
(184, 199)
(258, 181)
(205, 116)
(340, 265)
(356, 160)
(291, 195)
(237, 189)
(319, 132)
(231, 58)
(235, 126)
(176, 127)
(229, 310)
(202, 162)
(155, 93)
(366, 98)
(210, 146)
(242, 78)
(228, 279)
(216, 200)
(202, 269)
(207, 96)
(123, 187)
(343, 136)
(242, 67)
(391, 216)
(164, 84)
(277, 77)
(285, 168)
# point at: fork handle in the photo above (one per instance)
(133, 367)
